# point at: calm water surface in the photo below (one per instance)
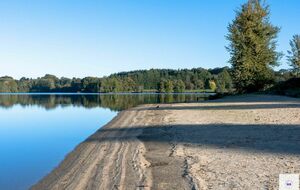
(38, 130)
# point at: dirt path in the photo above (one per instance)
(240, 142)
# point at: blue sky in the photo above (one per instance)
(96, 38)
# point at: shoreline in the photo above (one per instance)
(241, 142)
(100, 93)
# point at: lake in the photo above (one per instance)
(38, 130)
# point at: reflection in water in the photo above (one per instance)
(33, 140)
(115, 102)
(38, 130)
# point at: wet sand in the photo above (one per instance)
(241, 142)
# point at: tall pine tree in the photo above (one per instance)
(294, 54)
(252, 47)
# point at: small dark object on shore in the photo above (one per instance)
(157, 107)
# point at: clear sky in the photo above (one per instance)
(96, 38)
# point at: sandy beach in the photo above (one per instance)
(238, 142)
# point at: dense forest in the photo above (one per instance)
(153, 80)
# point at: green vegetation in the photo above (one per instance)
(8, 84)
(290, 87)
(211, 85)
(154, 80)
(294, 55)
(253, 54)
(252, 47)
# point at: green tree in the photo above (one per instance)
(224, 82)
(169, 86)
(65, 82)
(115, 85)
(166, 86)
(129, 85)
(76, 85)
(199, 85)
(294, 54)
(24, 85)
(252, 47)
(8, 84)
(179, 86)
(188, 83)
(161, 87)
(212, 85)
(44, 84)
(90, 84)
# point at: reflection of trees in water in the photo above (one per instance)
(115, 102)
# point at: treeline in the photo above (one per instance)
(154, 80)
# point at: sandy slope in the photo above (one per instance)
(233, 143)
